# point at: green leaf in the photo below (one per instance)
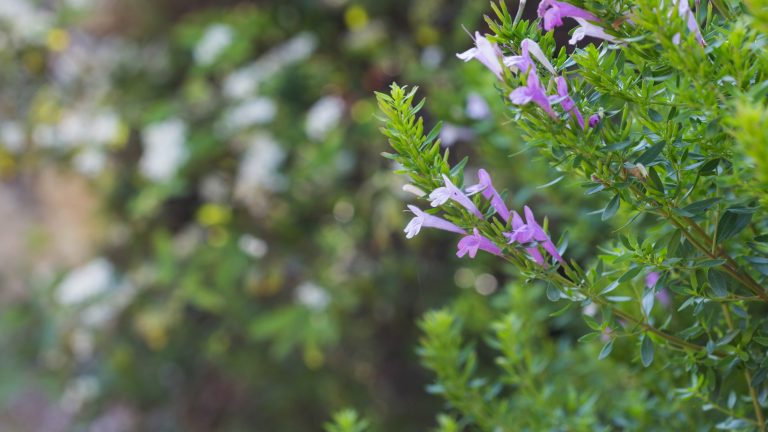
(646, 351)
(711, 263)
(630, 274)
(621, 145)
(553, 294)
(650, 154)
(589, 337)
(553, 182)
(655, 179)
(458, 169)
(700, 207)
(606, 351)
(733, 221)
(432, 135)
(610, 288)
(655, 116)
(611, 208)
(718, 281)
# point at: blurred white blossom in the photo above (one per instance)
(253, 246)
(24, 19)
(477, 107)
(450, 134)
(258, 167)
(164, 149)
(215, 40)
(85, 282)
(12, 136)
(323, 117)
(312, 296)
(243, 82)
(90, 161)
(256, 111)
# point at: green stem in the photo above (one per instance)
(747, 375)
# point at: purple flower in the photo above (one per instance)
(651, 279)
(442, 194)
(567, 102)
(532, 92)
(588, 29)
(518, 224)
(553, 12)
(422, 219)
(594, 119)
(663, 297)
(477, 107)
(685, 12)
(531, 231)
(524, 63)
(450, 134)
(489, 192)
(486, 52)
(472, 243)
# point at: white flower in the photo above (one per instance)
(243, 82)
(217, 38)
(12, 136)
(260, 110)
(85, 282)
(312, 296)
(323, 117)
(90, 162)
(253, 246)
(164, 149)
(258, 167)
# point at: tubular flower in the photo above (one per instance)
(486, 52)
(588, 29)
(489, 192)
(524, 63)
(532, 92)
(470, 244)
(531, 231)
(567, 102)
(685, 12)
(553, 13)
(594, 119)
(442, 194)
(518, 224)
(422, 219)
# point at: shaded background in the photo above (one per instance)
(198, 232)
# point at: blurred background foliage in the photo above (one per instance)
(199, 232)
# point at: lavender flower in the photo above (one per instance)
(472, 243)
(518, 224)
(524, 63)
(531, 231)
(477, 107)
(442, 194)
(486, 52)
(553, 12)
(651, 279)
(489, 192)
(594, 119)
(532, 92)
(567, 102)
(422, 219)
(588, 29)
(685, 12)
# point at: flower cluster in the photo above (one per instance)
(552, 13)
(528, 233)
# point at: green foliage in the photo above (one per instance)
(678, 159)
(347, 421)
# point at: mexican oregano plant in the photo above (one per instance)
(660, 110)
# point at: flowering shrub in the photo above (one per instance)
(659, 110)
